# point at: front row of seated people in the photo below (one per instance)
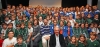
(55, 40)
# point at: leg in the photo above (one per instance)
(44, 41)
(36, 41)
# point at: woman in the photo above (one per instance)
(36, 37)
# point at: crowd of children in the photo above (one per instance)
(80, 26)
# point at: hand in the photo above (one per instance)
(28, 40)
(77, 39)
(69, 37)
(33, 38)
(11, 45)
(47, 38)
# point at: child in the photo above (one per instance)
(96, 19)
(87, 26)
(19, 20)
(7, 20)
(76, 30)
(31, 20)
(89, 20)
(40, 21)
(95, 28)
(61, 27)
(30, 30)
(78, 20)
(73, 42)
(83, 18)
(25, 21)
(84, 30)
(82, 41)
(48, 18)
(23, 31)
(10, 28)
(68, 32)
(17, 30)
(13, 21)
(4, 28)
(92, 42)
(71, 20)
(20, 42)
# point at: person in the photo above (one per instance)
(82, 41)
(73, 42)
(89, 19)
(71, 20)
(95, 28)
(96, 19)
(4, 14)
(76, 30)
(17, 30)
(92, 42)
(57, 39)
(44, 15)
(45, 32)
(25, 20)
(83, 17)
(48, 19)
(68, 32)
(52, 26)
(3, 29)
(36, 36)
(19, 20)
(10, 41)
(23, 31)
(61, 27)
(30, 30)
(20, 42)
(84, 30)
(78, 19)
(9, 28)
(40, 21)
(7, 20)
(13, 21)
(1, 40)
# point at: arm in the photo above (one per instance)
(51, 43)
(24, 45)
(4, 44)
(71, 32)
(37, 33)
(68, 45)
(62, 41)
(25, 34)
(41, 30)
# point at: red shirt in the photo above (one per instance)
(1, 42)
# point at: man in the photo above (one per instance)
(10, 41)
(45, 32)
(57, 40)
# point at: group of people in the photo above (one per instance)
(27, 26)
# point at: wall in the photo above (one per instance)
(89, 2)
(0, 5)
(48, 3)
(99, 4)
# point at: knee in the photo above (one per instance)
(44, 42)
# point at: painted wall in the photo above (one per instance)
(0, 5)
(48, 3)
(99, 4)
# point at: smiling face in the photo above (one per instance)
(10, 34)
(73, 40)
